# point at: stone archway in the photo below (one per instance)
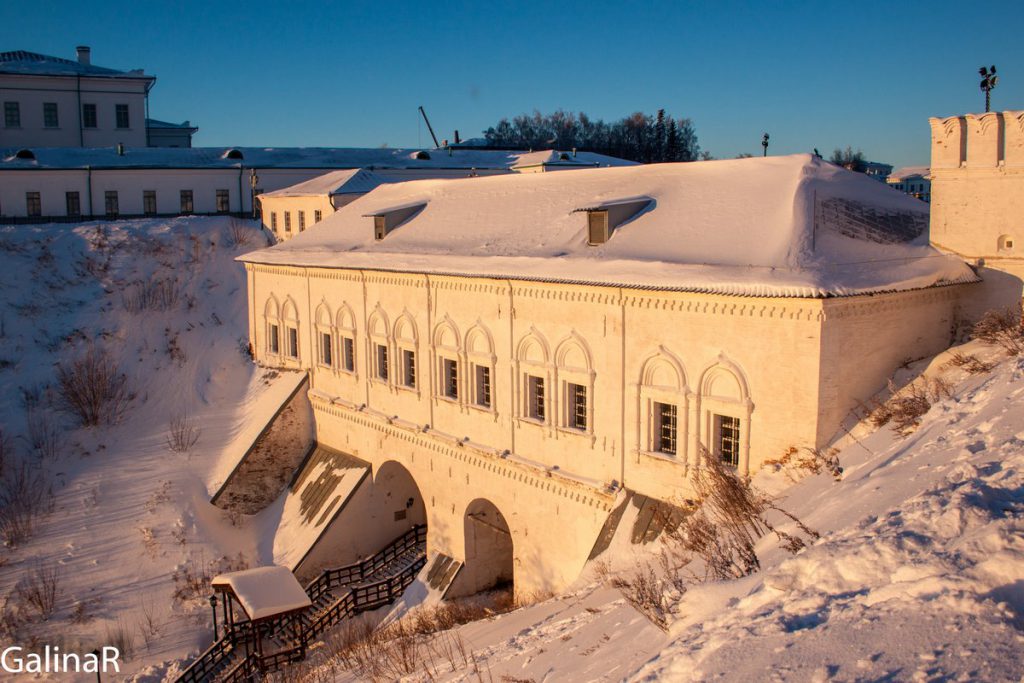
(489, 549)
(397, 501)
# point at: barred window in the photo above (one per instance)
(450, 379)
(274, 339)
(577, 400)
(33, 204)
(665, 425)
(727, 439)
(293, 342)
(121, 115)
(73, 203)
(223, 201)
(382, 361)
(535, 407)
(88, 116)
(110, 203)
(483, 386)
(302, 220)
(50, 119)
(187, 205)
(409, 368)
(149, 202)
(348, 354)
(326, 349)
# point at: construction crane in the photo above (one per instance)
(429, 127)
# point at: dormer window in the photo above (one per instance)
(387, 220)
(26, 154)
(422, 156)
(602, 220)
(233, 154)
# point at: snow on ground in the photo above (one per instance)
(918, 575)
(127, 512)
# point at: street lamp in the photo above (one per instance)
(213, 607)
(764, 143)
(96, 654)
(253, 182)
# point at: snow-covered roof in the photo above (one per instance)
(348, 181)
(907, 172)
(35, 64)
(278, 157)
(551, 157)
(791, 226)
(157, 123)
(265, 591)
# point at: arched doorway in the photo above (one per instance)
(489, 553)
(397, 501)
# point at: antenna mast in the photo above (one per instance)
(429, 127)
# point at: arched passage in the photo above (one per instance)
(397, 500)
(489, 553)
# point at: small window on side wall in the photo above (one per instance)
(293, 342)
(727, 439)
(326, 349)
(348, 354)
(274, 339)
(536, 408)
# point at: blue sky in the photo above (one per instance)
(814, 74)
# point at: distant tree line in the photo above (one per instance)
(849, 159)
(637, 137)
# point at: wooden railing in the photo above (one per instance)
(360, 571)
(360, 597)
(208, 662)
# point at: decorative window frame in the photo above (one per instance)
(676, 393)
(290, 320)
(565, 375)
(272, 319)
(441, 352)
(709, 405)
(479, 353)
(324, 324)
(378, 334)
(345, 327)
(526, 368)
(405, 337)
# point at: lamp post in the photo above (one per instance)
(764, 144)
(253, 181)
(96, 653)
(213, 608)
(988, 82)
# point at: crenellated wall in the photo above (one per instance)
(977, 207)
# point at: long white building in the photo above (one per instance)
(509, 354)
(41, 184)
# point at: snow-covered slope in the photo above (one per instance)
(777, 226)
(127, 513)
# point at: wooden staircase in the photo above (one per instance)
(336, 594)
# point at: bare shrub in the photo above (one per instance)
(82, 611)
(727, 518)
(174, 350)
(905, 407)
(150, 625)
(970, 363)
(122, 637)
(43, 435)
(182, 434)
(93, 388)
(1002, 328)
(798, 463)
(39, 588)
(192, 578)
(239, 234)
(25, 494)
(160, 294)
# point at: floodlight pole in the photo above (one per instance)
(764, 144)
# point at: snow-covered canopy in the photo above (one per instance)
(791, 226)
(348, 181)
(264, 592)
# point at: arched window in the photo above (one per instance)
(725, 409)
(326, 355)
(406, 341)
(346, 328)
(575, 380)
(272, 327)
(533, 379)
(290, 318)
(378, 347)
(481, 359)
(446, 361)
(664, 407)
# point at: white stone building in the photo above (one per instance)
(55, 102)
(509, 354)
(44, 184)
(912, 180)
